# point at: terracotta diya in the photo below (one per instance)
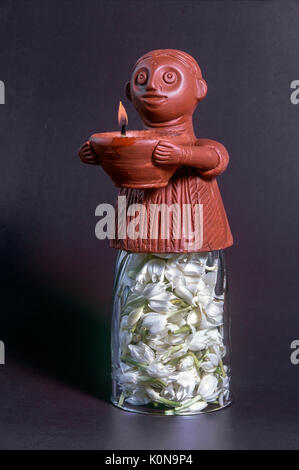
(128, 159)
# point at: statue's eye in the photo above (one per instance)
(141, 78)
(169, 77)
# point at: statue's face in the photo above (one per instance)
(163, 89)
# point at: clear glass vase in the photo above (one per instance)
(171, 333)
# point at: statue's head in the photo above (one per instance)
(165, 85)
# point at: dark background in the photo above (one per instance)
(64, 64)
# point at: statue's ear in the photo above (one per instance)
(128, 91)
(202, 89)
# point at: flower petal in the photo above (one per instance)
(184, 293)
(155, 322)
(141, 353)
(207, 386)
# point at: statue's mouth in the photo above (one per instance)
(153, 99)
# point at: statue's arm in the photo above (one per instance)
(209, 157)
(87, 154)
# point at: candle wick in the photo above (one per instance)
(123, 129)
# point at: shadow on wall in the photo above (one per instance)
(49, 330)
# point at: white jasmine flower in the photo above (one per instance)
(214, 337)
(210, 279)
(158, 298)
(152, 271)
(207, 387)
(125, 339)
(184, 293)
(124, 367)
(171, 352)
(199, 341)
(194, 269)
(225, 393)
(185, 381)
(202, 288)
(203, 296)
(162, 305)
(155, 322)
(186, 363)
(198, 406)
(124, 322)
(177, 320)
(176, 339)
(129, 379)
(159, 370)
(219, 350)
(134, 316)
(177, 391)
(133, 301)
(211, 364)
(151, 290)
(193, 318)
(141, 353)
(192, 283)
(214, 312)
(205, 324)
(174, 392)
(191, 405)
(156, 343)
(174, 275)
(156, 269)
(184, 272)
(202, 300)
(155, 396)
(134, 265)
(138, 397)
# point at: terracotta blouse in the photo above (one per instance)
(187, 186)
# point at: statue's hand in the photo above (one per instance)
(166, 153)
(87, 155)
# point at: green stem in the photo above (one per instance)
(188, 403)
(144, 378)
(197, 363)
(144, 333)
(223, 373)
(128, 360)
(120, 292)
(168, 402)
(132, 330)
(186, 309)
(184, 329)
(175, 360)
(121, 399)
(179, 302)
(169, 412)
(171, 350)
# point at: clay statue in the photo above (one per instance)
(170, 326)
(165, 88)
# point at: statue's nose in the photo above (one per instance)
(152, 84)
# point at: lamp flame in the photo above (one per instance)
(122, 115)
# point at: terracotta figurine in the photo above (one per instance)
(170, 327)
(165, 88)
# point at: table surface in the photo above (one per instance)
(39, 412)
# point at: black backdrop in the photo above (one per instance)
(64, 65)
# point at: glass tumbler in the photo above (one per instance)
(171, 333)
